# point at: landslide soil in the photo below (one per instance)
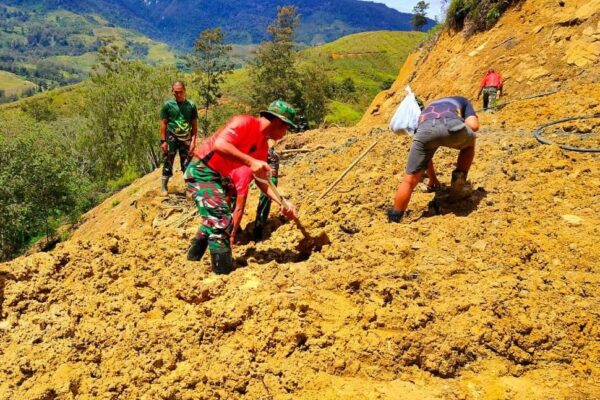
(493, 297)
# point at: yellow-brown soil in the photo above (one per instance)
(538, 47)
(494, 297)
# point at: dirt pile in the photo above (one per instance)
(495, 297)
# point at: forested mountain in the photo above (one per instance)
(42, 48)
(244, 21)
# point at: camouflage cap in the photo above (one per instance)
(282, 110)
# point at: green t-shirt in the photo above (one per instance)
(179, 117)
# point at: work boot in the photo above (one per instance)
(164, 189)
(394, 215)
(197, 248)
(258, 233)
(222, 262)
(457, 184)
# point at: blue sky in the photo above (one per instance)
(407, 5)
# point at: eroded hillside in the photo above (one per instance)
(495, 297)
(539, 47)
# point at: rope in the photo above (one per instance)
(538, 134)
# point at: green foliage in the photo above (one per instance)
(344, 90)
(38, 182)
(367, 61)
(386, 84)
(342, 114)
(39, 108)
(370, 60)
(313, 97)
(277, 74)
(419, 18)
(129, 175)
(480, 15)
(211, 63)
(273, 70)
(122, 110)
(46, 49)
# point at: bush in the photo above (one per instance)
(122, 111)
(39, 184)
(476, 15)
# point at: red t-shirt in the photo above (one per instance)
(242, 131)
(493, 79)
(241, 178)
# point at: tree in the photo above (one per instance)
(276, 73)
(211, 63)
(122, 108)
(38, 182)
(273, 71)
(313, 95)
(419, 19)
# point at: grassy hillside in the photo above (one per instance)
(58, 48)
(13, 85)
(367, 62)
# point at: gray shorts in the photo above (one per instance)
(433, 133)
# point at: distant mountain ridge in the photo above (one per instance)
(244, 21)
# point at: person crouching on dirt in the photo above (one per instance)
(240, 181)
(243, 140)
(178, 131)
(449, 122)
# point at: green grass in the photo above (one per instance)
(84, 62)
(342, 114)
(160, 54)
(14, 84)
(368, 58)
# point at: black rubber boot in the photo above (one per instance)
(258, 233)
(164, 188)
(459, 179)
(222, 262)
(394, 215)
(197, 248)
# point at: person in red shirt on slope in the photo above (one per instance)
(491, 86)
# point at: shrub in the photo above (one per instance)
(39, 183)
(476, 15)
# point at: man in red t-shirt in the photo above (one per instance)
(490, 85)
(243, 140)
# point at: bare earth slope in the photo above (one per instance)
(496, 297)
(539, 47)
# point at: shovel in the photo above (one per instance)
(308, 243)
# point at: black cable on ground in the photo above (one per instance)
(538, 134)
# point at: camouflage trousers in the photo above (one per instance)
(175, 146)
(489, 97)
(209, 193)
(264, 206)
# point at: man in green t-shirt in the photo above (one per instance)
(178, 131)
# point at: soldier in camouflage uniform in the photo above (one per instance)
(178, 131)
(243, 140)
